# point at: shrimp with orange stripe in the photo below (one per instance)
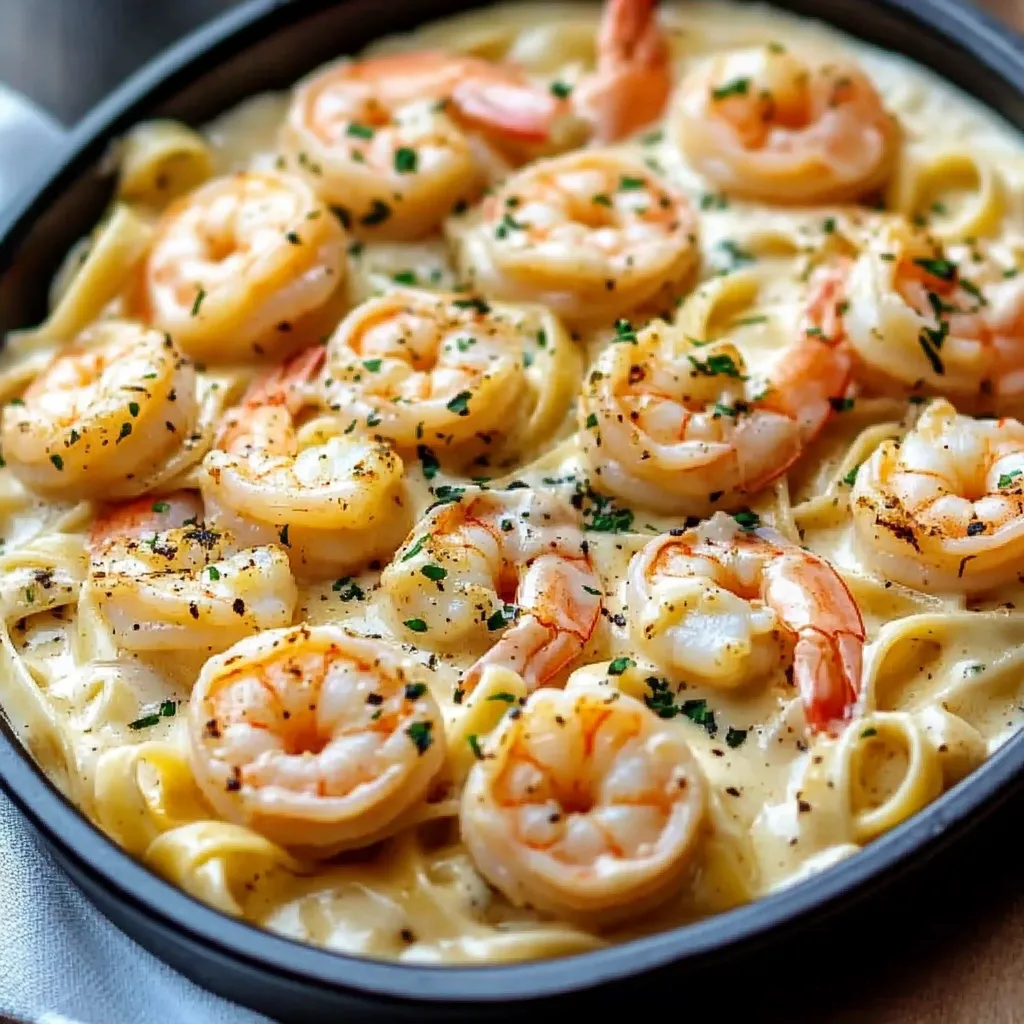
(510, 566)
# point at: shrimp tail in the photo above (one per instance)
(536, 651)
(827, 671)
(633, 79)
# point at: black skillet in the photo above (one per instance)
(268, 44)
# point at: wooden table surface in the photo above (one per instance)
(951, 950)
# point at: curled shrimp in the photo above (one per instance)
(684, 428)
(728, 606)
(107, 411)
(592, 235)
(585, 804)
(943, 509)
(507, 564)
(786, 126)
(334, 505)
(234, 264)
(314, 737)
(926, 320)
(164, 581)
(418, 367)
(388, 139)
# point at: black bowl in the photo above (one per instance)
(268, 44)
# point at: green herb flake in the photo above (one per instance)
(561, 90)
(378, 213)
(420, 734)
(145, 722)
(851, 478)
(414, 550)
(460, 403)
(504, 696)
(944, 270)
(747, 520)
(407, 277)
(735, 737)
(698, 712)
(869, 732)
(133, 408)
(474, 745)
(736, 87)
(434, 572)
(721, 365)
(429, 463)
(1006, 479)
(415, 625)
(161, 506)
(619, 665)
(359, 131)
(373, 365)
(58, 462)
(200, 295)
(126, 429)
(213, 572)
(631, 184)
(413, 691)
(591, 421)
(405, 160)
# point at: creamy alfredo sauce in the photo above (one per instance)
(941, 669)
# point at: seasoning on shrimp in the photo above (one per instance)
(924, 320)
(416, 366)
(314, 737)
(237, 257)
(165, 581)
(391, 139)
(943, 510)
(334, 505)
(517, 574)
(727, 606)
(786, 125)
(584, 807)
(106, 412)
(592, 234)
(684, 428)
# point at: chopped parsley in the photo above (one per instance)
(413, 691)
(415, 625)
(851, 478)
(620, 665)
(460, 403)
(867, 733)
(404, 277)
(735, 737)
(561, 90)
(747, 520)
(359, 131)
(735, 87)
(624, 332)
(504, 696)
(434, 572)
(630, 184)
(57, 461)
(405, 160)
(213, 572)
(721, 365)
(372, 365)
(161, 506)
(501, 617)
(944, 270)
(1006, 479)
(347, 589)
(428, 463)
(200, 295)
(474, 745)
(420, 734)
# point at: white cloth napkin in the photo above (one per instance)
(62, 962)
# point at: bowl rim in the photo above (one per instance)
(64, 827)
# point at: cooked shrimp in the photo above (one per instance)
(492, 558)
(234, 264)
(683, 428)
(786, 126)
(592, 235)
(926, 320)
(727, 607)
(944, 508)
(335, 505)
(633, 79)
(314, 737)
(387, 139)
(164, 581)
(585, 805)
(109, 408)
(417, 367)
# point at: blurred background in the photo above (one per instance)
(65, 54)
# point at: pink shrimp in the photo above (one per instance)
(465, 564)
(721, 623)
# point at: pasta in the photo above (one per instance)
(549, 479)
